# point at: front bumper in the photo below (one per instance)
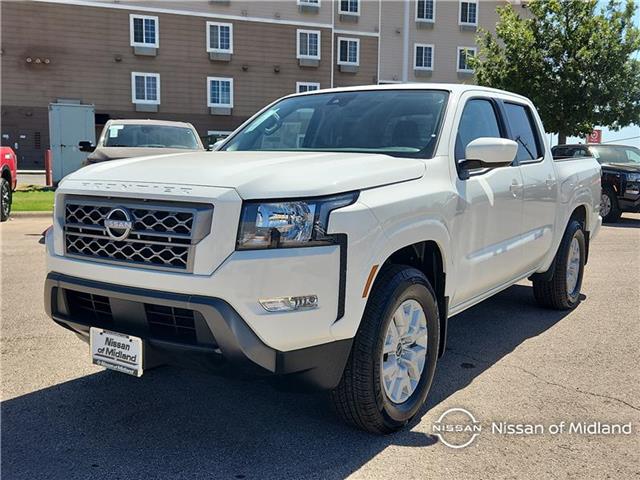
(212, 335)
(629, 203)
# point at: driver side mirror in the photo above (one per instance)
(488, 152)
(86, 146)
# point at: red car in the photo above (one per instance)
(9, 163)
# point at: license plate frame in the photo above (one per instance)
(116, 351)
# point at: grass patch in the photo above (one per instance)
(33, 199)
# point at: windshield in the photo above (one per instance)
(615, 154)
(150, 136)
(403, 123)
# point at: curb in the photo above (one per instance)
(31, 214)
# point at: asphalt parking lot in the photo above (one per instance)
(506, 360)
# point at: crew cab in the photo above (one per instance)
(8, 180)
(328, 240)
(620, 175)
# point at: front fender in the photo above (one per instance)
(382, 222)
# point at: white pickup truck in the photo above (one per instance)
(328, 240)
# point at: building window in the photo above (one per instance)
(468, 12)
(144, 31)
(349, 7)
(348, 51)
(423, 57)
(426, 10)
(219, 37)
(464, 54)
(308, 44)
(310, 3)
(220, 92)
(145, 88)
(302, 87)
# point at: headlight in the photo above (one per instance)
(633, 177)
(288, 223)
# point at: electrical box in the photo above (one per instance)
(70, 122)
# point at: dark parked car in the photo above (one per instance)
(620, 175)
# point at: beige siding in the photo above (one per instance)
(445, 35)
(368, 20)
(391, 40)
(367, 73)
(286, 10)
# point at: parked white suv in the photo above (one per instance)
(330, 239)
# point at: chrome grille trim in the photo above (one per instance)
(163, 235)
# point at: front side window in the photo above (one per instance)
(350, 7)
(145, 88)
(220, 92)
(426, 10)
(144, 31)
(479, 119)
(423, 57)
(464, 54)
(302, 87)
(348, 51)
(308, 42)
(401, 123)
(468, 12)
(149, 136)
(523, 132)
(219, 37)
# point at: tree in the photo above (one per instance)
(581, 68)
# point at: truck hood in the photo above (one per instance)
(622, 167)
(256, 175)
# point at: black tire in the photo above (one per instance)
(6, 197)
(554, 293)
(614, 212)
(360, 398)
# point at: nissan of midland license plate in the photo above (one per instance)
(116, 351)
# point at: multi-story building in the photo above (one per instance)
(215, 63)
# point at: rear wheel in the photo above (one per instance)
(393, 359)
(609, 209)
(5, 199)
(562, 291)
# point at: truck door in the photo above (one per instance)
(540, 185)
(488, 222)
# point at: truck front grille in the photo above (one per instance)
(146, 234)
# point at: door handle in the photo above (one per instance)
(550, 182)
(514, 187)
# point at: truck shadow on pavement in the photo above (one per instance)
(175, 423)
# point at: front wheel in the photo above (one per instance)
(393, 359)
(609, 209)
(5, 199)
(562, 291)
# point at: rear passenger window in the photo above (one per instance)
(523, 132)
(478, 120)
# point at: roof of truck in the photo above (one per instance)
(456, 88)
